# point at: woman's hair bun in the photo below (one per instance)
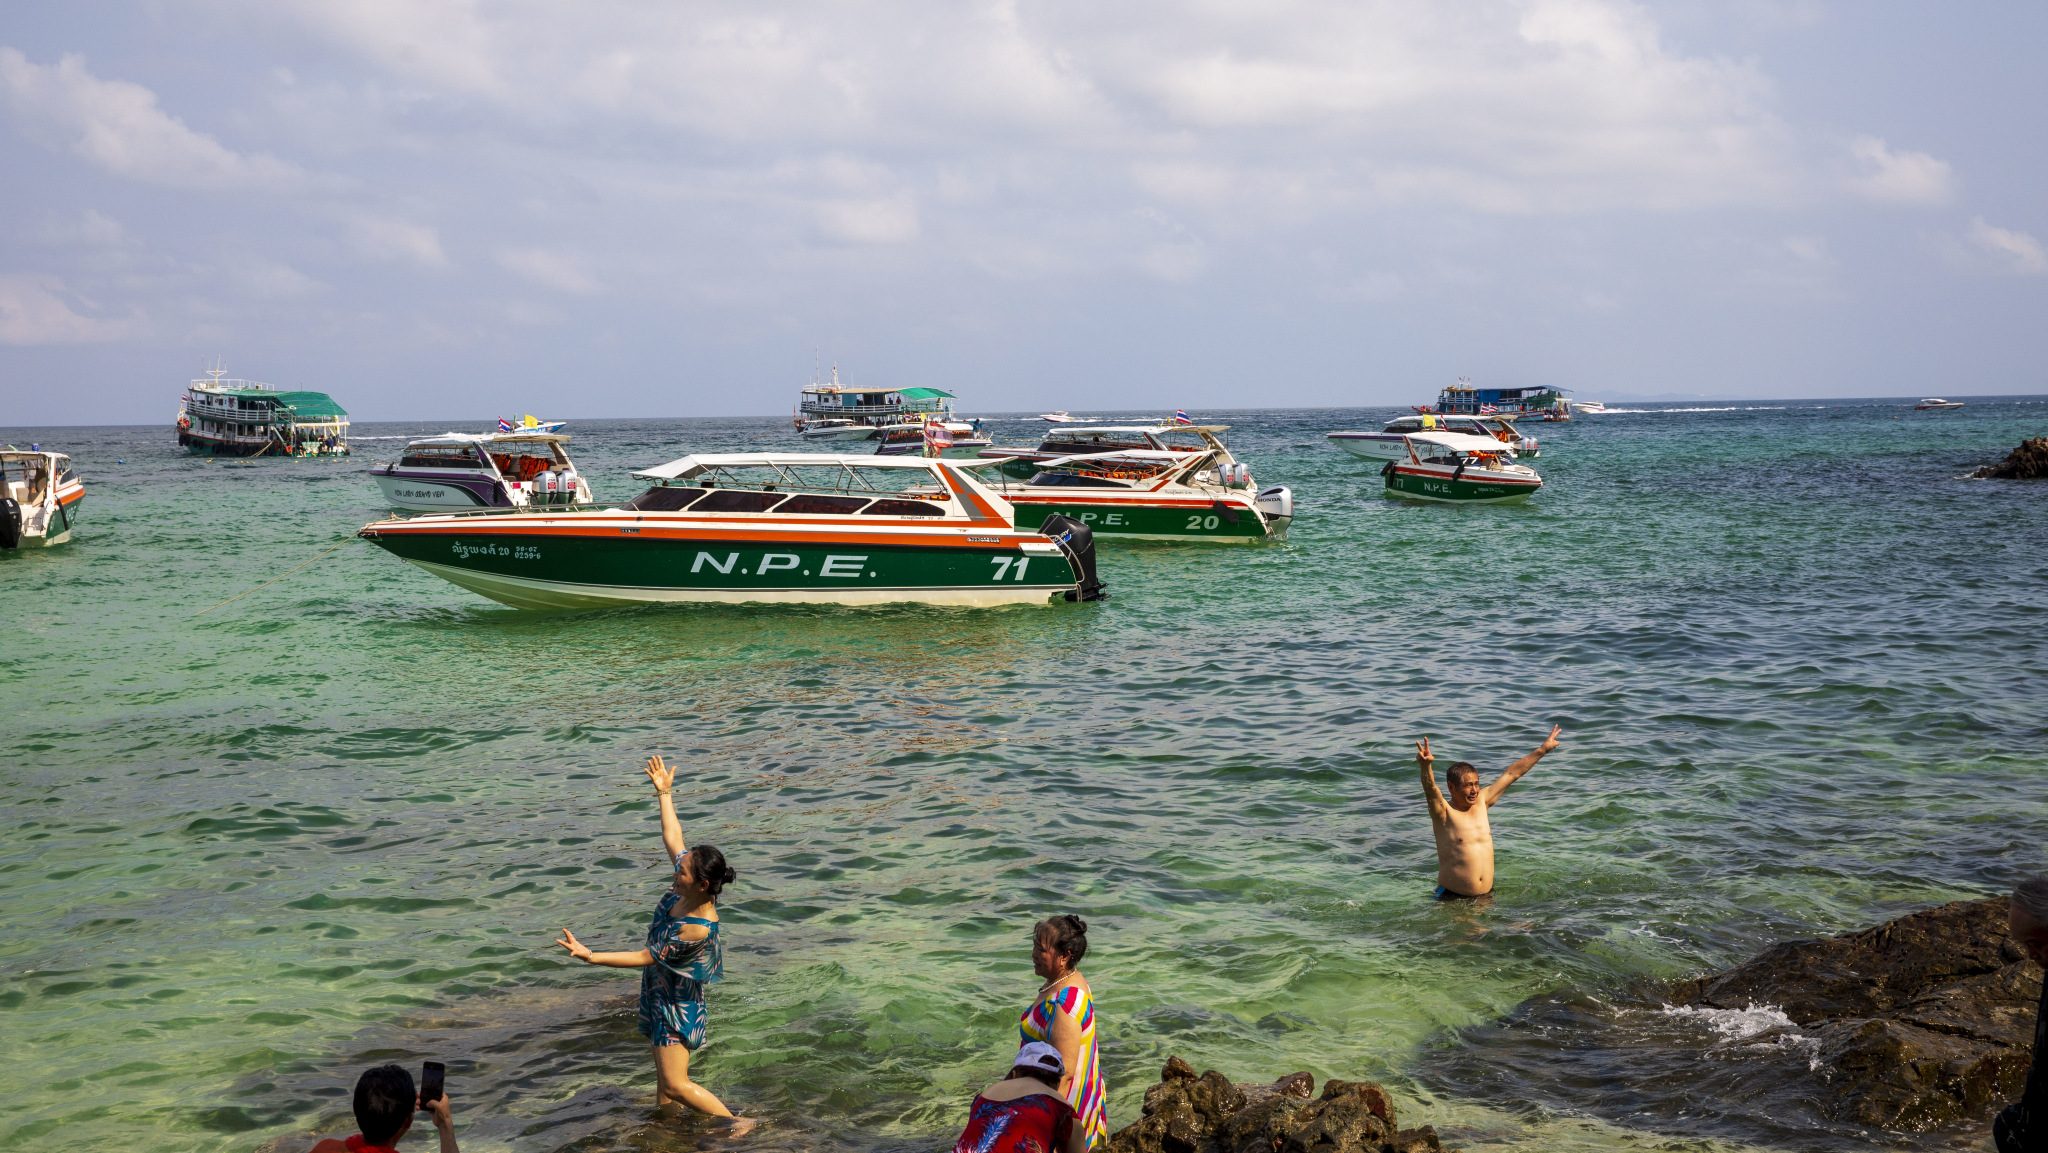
(708, 866)
(1068, 935)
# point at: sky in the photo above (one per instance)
(456, 209)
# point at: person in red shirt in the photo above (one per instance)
(1025, 1112)
(385, 1102)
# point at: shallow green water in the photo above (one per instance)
(1799, 665)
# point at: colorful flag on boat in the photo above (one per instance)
(937, 434)
(1180, 416)
(1489, 408)
(504, 425)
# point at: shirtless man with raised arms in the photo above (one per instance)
(1464, 840)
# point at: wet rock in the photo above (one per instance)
(2027, 462)
(1921, 1022)
(1185, 1113)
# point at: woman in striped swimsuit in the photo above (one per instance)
(1063, 1016)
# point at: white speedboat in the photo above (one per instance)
(962, 438)
(40, 497)
(1453, 468)
(1390, 443)
(1935, 402)
(1593, 407)
(459, 471)
(1056, 417)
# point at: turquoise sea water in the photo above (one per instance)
(1798, 662)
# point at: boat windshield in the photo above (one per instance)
(440, 456)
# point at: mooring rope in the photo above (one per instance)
(268, 583)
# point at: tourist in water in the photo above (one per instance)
(1464, 839)
(1025, 1113)
(384, 1103)
(1063, 1016)
(683, 954)
(2023, 1127)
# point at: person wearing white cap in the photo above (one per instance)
(1025, 1112)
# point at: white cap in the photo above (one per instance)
(1039, 1055)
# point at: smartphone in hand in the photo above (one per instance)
(433, 1082)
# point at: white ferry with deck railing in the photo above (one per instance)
(223, 416)
(838, 412)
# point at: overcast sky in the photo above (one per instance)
(451, 210)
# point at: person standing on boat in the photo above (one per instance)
(1063, 1016)
(683, 954)
(1464, 838)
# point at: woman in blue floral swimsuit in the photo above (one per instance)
(683, 955)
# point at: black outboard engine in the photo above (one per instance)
(10, 529)
(1077, 541)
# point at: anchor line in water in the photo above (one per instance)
(274, 580)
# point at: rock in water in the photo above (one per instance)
(1208, 1113)
(2027, 462)
(1922, 1022)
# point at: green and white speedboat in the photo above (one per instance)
(1151, 494)
(1458, 468)
(770, 527)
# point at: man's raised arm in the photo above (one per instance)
(1514, 772)
(1426, 762)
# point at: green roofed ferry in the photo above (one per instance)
(228, 417)
(765, 527)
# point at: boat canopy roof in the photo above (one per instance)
(705, 462)
(924, 393)
(1457, 441)
(1060, 431)
(309, 405)
(488, 437)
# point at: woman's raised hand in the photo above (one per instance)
(664, 778)
(577, 949)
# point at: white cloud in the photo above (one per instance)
(117, 126)
(547, 269)
(38, 310)
(1897, 177)
(379, 237)
(2016, 252)
(880, 220)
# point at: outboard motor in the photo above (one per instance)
(1276, 503)
(1077, 542)
(10, 529)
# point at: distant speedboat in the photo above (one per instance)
(1589, 406)
(1936, 402)
(1056, 417)
(1390, 443)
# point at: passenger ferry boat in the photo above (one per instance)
(1390, 443)
(1455, 468)
(1464, 399)
(841, 412)
(40, 497)
(1152, 494)
(233, 417)
(1090, 439)
(457, 470)
(772, 527)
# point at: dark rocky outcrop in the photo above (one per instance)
(1921, 1022)
(2027, 462)
(1208, 1113)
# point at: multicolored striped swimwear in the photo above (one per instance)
(1087, 1092)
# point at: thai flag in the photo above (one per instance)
(937, 434)
(504, 425)
(1489, 408)
(1180, 416)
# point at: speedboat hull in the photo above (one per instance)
(611, 558)
(1371, 445)
(1146, 516)
(1448, 484)
(428, 492)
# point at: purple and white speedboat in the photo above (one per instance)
(506, 470)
